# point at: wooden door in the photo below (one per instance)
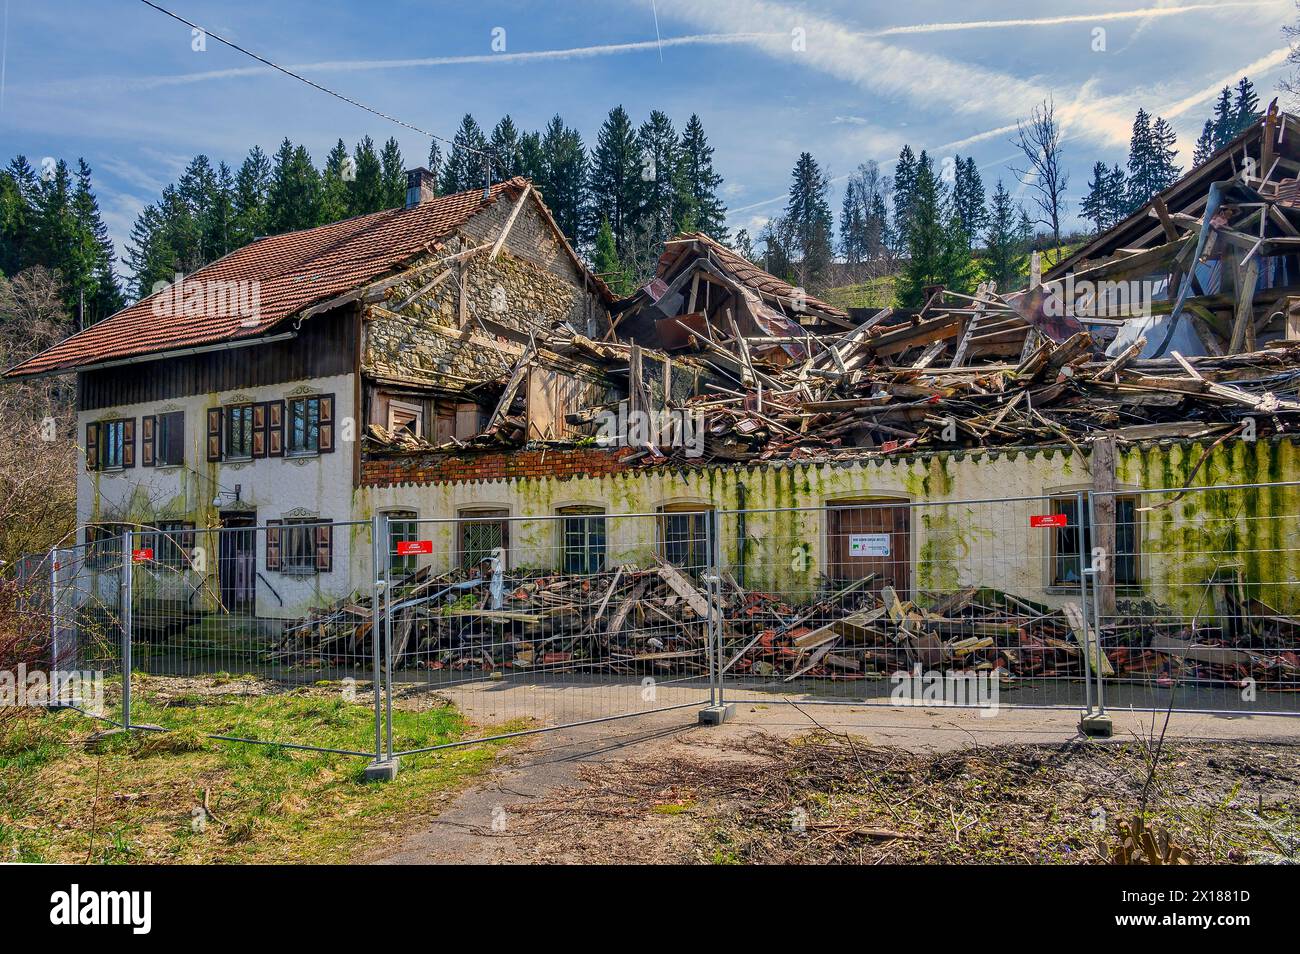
(871, 536)
(238, 562)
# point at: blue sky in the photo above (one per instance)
(120, 84)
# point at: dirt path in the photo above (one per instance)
(510, 818)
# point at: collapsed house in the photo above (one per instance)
(904, 486)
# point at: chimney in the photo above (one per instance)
(420, 186)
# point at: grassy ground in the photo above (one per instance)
(139, 798)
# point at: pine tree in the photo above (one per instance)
(531, 160)
(294, 199)
(853, 223)
(1141, 162)
(905, 172)
(606, 263)
(661, 173)
(926, 242)
(335, 183)
(55, 223)
(366, 194)
(702, 182)
(564, 175)
(968, 198)
(1225, 119)
(616, 186)
(1245, 107)
(94, 283)
(198, 188)
(1117, 195)
(507, 158)
(1095, 206)
(392, 176)
(808, 215)
(465, 167)
(434, 162)
(1004, 260)
(1164, 168)
(18, 190)
(252, 186)
(1204, 144)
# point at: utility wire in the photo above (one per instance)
(314, 85)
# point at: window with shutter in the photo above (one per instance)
(325, 439)
(273, 557)
(215, 418)
(128, 442)
(259, 430)
(148, 425)
(304, 426)
(275, 429)
(169, 439)
(92, 446)
(324, 547)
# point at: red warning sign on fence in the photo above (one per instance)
(142, 554)
(412, 547)
(1048, 520)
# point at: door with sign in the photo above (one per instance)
(871, 537)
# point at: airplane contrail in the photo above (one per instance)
(1068, 18)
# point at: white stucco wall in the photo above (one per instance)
(271, 488)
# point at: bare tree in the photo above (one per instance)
(1039, 139)
(38, 450)
(1291, 84)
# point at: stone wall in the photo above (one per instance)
(529, 286)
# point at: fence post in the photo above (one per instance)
(717, 710)
(1085, 571)
(1094, 721)
(384, 767)
(124, 614)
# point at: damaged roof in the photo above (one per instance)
(771, 289)
(293, 271)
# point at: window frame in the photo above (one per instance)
(416, 412)
(1130, 559)
(672, 512)
(228, 443)
(472, 516)
(290, 447)
(162, 438)
(106, 428)
(586, 564)
(402, 527)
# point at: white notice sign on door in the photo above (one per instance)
(868, 544)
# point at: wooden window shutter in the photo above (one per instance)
(128, 442)
(324, 547)
(259, 430)
(325, 442)
(92, 447)
(175, 449)
(148, 428)
(273, 559)
(275, 428)
(215, 417)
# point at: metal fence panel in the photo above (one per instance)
(267, 610)
(1198, 597)
(525, 624)
(903, 602)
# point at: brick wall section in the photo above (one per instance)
(509, 465)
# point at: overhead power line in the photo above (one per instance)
(312, 83)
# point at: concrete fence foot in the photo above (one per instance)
(716, 715)
(1096, 724)
(382, 770)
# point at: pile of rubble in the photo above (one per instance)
(655, 620)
